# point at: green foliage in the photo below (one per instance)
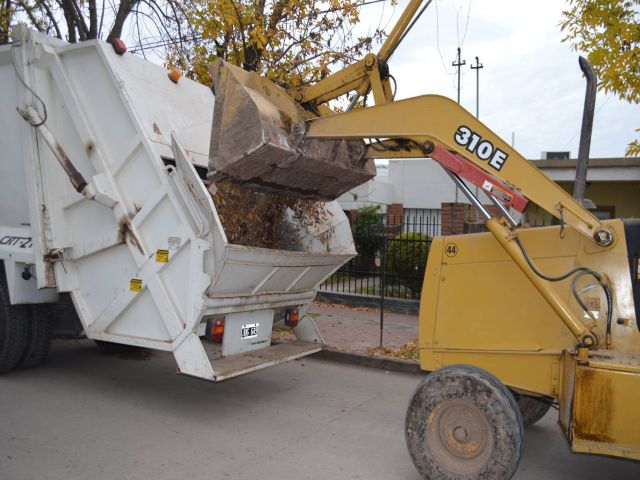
(608, 31)
(407, 258)
(6, 14)
(291, 42)
(366, 243)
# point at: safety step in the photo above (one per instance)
(234, 365)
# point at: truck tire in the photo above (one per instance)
(463, 423)
(14, 328)
(532, 409)
(41, 323)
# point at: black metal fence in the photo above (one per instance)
(392, 251)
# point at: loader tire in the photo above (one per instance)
(41, 323)
(462, 423)
(532, 409)
(14, 328)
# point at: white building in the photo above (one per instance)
(420, 187)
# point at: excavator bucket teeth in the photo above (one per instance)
(257, 140)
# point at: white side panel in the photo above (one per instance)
(146, 269)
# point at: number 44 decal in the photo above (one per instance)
(483, 149)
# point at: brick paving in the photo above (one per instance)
(357, 329)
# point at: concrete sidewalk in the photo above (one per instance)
(353, 335)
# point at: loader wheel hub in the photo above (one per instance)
(459, 435)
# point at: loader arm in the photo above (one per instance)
(290, 142)
(418, 124)
(367, 74)
(424, 126)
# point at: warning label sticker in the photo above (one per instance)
(174, 243)
(497, 192)
(593, 304)
(135, 284)
(162, 256)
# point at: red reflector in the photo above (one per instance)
(215, 330)
(118, 46)
(291, 318)
(174, 75)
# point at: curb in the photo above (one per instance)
(395, 305)
(382, 363)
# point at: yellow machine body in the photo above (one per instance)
(479, 308)
(599, 403)
(483, 303)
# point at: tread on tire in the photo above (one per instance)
(462, 423)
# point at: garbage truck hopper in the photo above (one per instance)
(134, 237)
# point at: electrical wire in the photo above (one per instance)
(408, 29)
(22, 81)
(466, 26)
(444, 66)
(198, 37)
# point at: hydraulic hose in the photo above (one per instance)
(579, 272)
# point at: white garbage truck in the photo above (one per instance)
(104, 212)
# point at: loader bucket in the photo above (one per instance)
(257, 140)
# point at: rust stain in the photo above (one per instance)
(90, 147)
(127, 234)
(593, 406)
(286, 121)
(49, 275)
(156, 128)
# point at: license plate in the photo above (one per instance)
(249, 331)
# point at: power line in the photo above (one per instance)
(444, 66)
(195, 38)
(466, 26)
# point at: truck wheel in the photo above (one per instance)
(463, 423)
(14, 328)
(40, 335)
(532, 409)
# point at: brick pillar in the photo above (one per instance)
(452, 218)
(474, 216)
(395, 214)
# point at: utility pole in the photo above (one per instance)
(458, 63)
(477, 68)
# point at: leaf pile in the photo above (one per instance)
(409, 351)
(320, 303)
(266, 220)
(281, 335)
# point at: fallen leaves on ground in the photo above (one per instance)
(279, 335)
(409, 351)
(345, 307)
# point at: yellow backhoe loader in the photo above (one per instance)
(512, 321)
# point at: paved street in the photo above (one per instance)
(91, 415)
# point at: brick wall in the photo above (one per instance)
(455, 215)
(452, 218)
(395, 214)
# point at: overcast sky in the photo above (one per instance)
(531, 83)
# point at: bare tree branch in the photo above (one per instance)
(123, 12)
